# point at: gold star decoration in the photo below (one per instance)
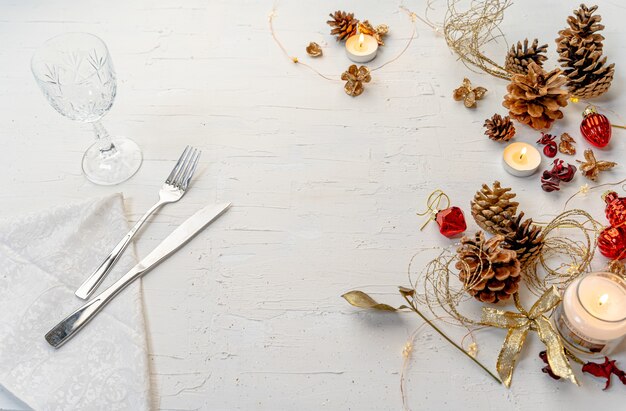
(468, 94)
(354, 78)
(592, 167)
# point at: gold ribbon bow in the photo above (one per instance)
(518, 325)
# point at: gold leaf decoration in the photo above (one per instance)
(354, 78)
(377, 32)
(468, 94)
(314, 49)
(566, 146)
(362, 300)
(592, 167)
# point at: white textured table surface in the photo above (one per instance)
(325, 187)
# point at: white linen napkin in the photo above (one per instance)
(44, 257)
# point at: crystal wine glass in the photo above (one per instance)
(76, 74)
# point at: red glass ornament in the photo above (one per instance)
(451, 221)
(595, 127)
(615, 209)
(612, 243)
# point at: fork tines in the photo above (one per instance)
(184, 169)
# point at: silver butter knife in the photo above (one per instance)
(67, 328)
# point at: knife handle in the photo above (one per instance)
(66, 329)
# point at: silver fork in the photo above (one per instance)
(173, 190)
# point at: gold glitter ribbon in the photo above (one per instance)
(518, 325)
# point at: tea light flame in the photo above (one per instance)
(604, 298)
(523, 153)
(361, 40)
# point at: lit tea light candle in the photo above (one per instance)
(361, 48)
(592, 316)
(521, 159)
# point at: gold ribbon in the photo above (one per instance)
(518, 325)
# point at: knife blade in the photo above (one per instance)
(67, 328)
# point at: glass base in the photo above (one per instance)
(112, 165)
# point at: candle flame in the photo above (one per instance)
(603, 299)
(361, 40)
(523, 153)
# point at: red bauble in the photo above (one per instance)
(451, 221)
(595, 127)
(612, 243)
(615, 209)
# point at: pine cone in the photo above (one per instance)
(519, 56)
(493, 209)
(489, 272)
(580, 54)
(535, 98)
(344, 24)
(525, 239)
(499, 128)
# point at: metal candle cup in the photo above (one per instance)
(361, 48)
(521, 159)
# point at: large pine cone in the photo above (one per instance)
(493, 209)
(525, 239)
(489, 272)
(520, 56)
(535, 98)
(499, 128)
(580, 54)
(344, 24)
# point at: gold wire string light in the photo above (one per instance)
(272, 16)
(467, 32)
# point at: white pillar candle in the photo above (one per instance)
(521, 159)
(361, 48)
(592, 316)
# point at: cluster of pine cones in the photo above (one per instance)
(491, 269)
(535, 96)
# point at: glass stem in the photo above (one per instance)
(102, 137)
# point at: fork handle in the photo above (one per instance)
(90, 284)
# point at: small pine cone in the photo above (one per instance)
(492, 208)
(499, 128)
(520, 56)
(535, 98)
(526, 240)
(580, 53)
(343, 24)
(489, 272)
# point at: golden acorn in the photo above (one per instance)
(489, 272)
(343, 24)
(520, 56)
(525, 239)
(493, 209)
(499, 128)
(580, 54)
